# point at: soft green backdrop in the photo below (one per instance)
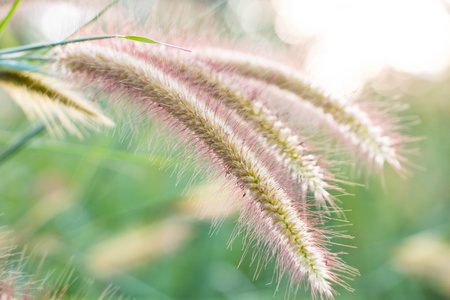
(99, 207)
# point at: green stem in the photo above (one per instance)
(48, 45)
(20, 142)
(84, 39)
(8, 17)
(95, 18)
(25, 57)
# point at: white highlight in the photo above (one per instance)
(59, 20)
(355, 39)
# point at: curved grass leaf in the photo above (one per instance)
(147, 40)
(91, 38)
(20, 141)
(79, 150)
(9, 15)
(12, 64)
(95, 18)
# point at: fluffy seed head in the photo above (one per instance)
(355, 126)
(50, 100)
(274, 218)
(241, 95)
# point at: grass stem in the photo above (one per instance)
(21, 141)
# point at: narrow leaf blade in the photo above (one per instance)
(147, 40)
(12, 64)
(9, 15)
(78, 40)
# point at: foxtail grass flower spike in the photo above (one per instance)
(15, 284)
(290, 149)
(46, 99)
(354, 125)
(281, 227)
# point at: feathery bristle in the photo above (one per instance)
(355, 126)
(288, 148)
(279, 223)
(44, 98)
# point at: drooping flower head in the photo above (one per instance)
(279, 223)
(217, 102)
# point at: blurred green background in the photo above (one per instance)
(103, 208)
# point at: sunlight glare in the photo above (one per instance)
(354, 39)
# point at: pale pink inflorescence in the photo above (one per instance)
(231, 90)
(281, 226)
(16, 284)
(355, 126)
(53, 102)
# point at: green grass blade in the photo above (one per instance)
(147, 40)
(49, 45)
(139, 39)
(20, 142)
(95, 18)
(94, 152)
(9, 15)
(27, 58)
(92, 38)
(12, 64)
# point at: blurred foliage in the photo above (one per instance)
(85, 202)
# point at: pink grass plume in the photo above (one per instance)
(282, 228)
